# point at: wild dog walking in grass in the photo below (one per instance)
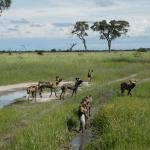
(51, 85)
(74, 88)
(90, 74)
(127, 86)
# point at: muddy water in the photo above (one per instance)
(76, 143)
(80, 140)
(11, 97)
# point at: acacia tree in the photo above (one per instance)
(80, 29)
(4, 4)
(111, 30)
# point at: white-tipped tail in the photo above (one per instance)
(27, 96)
(82, 120)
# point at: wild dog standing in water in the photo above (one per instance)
(74, 88)
(127, 86)
(88, 100)
(84, 112)
(90, 74)
(50, 85)
(82, 116)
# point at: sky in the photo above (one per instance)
(46, 24)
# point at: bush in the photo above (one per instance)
(39, 52)
(53, 50)
(9, 53)
(142, 50)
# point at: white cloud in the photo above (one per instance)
(51, 18)
(139, 28)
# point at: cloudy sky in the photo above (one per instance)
(46, 24)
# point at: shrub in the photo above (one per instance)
(39, 52)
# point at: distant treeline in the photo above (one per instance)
(40, 52)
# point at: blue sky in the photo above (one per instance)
(46, 24)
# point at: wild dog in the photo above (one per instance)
(31, 91)
(54, 86)
(127, 86)
(90, 74)
(88, 100)
(82, 116)
(74, 88)
(50, 85)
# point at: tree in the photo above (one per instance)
(80, 29)
(4, 4)
(110, 31)
(72, 46)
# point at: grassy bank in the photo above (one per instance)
(43, 125)
(123, 122)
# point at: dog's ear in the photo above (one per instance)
(134, 81)
(130, 81)
(57, 77)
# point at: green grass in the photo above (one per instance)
(123, 123)
(18, 68)
(43, 125)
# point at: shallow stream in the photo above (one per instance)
(11, 97)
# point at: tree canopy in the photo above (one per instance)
(4, 4)
(80, 29)
(110, 30)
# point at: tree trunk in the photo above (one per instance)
(73, 45)
(109, 46)
(84, 43)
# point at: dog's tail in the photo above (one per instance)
(82, 120)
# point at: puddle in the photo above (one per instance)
(77, 142)
(80, 140)
(11, 97)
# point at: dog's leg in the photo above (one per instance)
(51, 92)
(73, 92)
(28, 96)
(55, 92)
(40, 92)
(129, 92)
(60, 95)
(35, 96)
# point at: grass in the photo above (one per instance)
(123, 122)
(18, 68)
(40, 126)
(43, 125)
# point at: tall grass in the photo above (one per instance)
(123, 123)
(32, 67)
(44, 125)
